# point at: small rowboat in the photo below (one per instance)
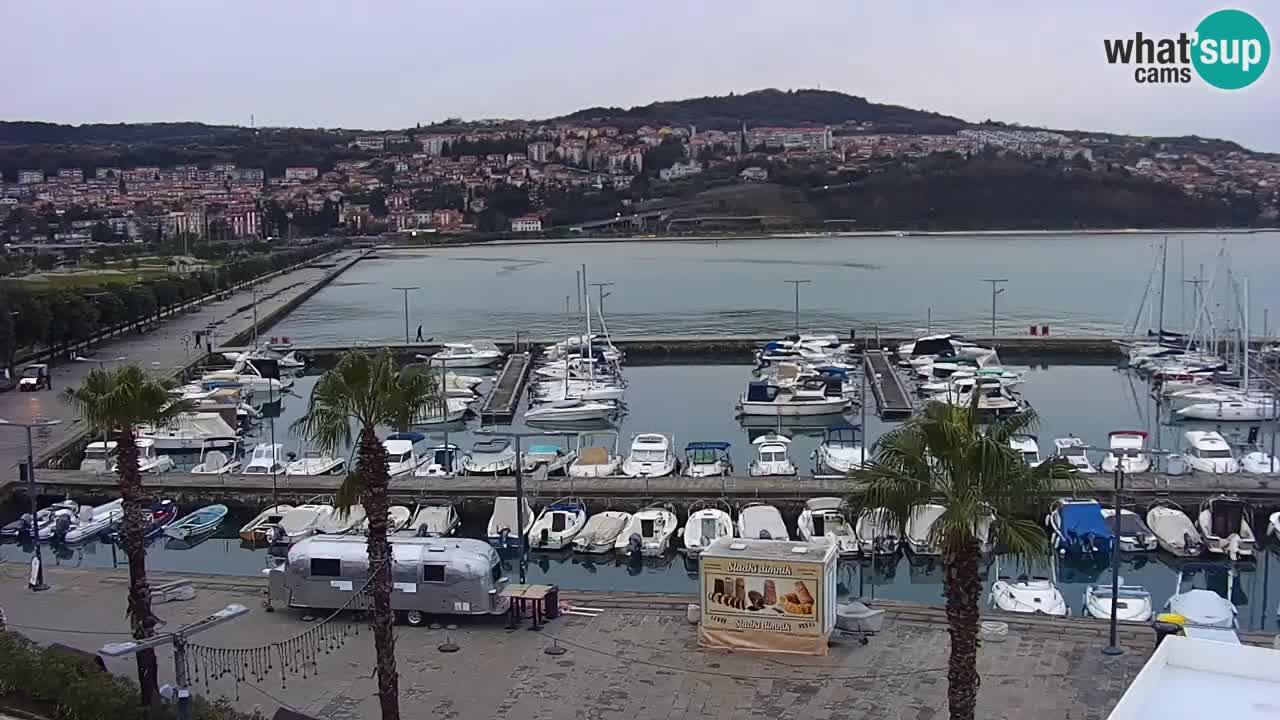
(204, 520)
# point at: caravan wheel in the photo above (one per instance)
(415, 618)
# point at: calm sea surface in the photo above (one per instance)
(1074, 283)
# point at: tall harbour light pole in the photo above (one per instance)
(995, 290)
(797, 284)
(405, 291)
(36, 583)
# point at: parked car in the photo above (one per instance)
(34, 377)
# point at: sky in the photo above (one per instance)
(380, 64)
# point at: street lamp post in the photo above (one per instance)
(797, 284)
(600, 289)
(405, 291)
(36, 583)
(995, 283)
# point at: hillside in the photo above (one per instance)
(773, 107)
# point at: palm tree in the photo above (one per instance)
(117, 401)
(369, 391)
(945, 455)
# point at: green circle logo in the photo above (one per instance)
(1232, 49)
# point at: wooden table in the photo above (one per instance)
(522, 596)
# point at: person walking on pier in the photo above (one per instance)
(419, 338)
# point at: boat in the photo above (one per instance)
(213, 461)
(1035, 595)
(160, 516)
(1259, 462)
(188, 431)
(558, 524)
(1132, 602)
(1074, 451)
(266, 460)
(649, 532)
(258, 376)
(398, 517)
(586, 390)
(940, 345)
(993, 398)
(551, 457)
(823, 522)
(651, 455)
(876, 533)
(45, 520)
(256, 529)
(89, 523)
(341, 520)
(773, 457)
(1079, 529)
(1244, 409)
(595, 461)
(601, 532)
(762, 522)
(99, 457)
(1207, 452)
(466, 355)
(434, 517)
(202, 521)
(841, 451)
(300, 522)
(1129, 447)
(490, 456)
(1224, 524)
(451, 410)
(570, 410)
(441, 461)
(707, 459)
(808, 398)
(708, 522)
(1028, 447)
(402, 452)
(503, 522)
(1174, 531)
(314, 463)
(1201, 606)
(1273, 525)
(919, 529)
(1133, 534)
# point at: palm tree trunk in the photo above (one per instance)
(373, 495)
(133, 536)
(962, 588)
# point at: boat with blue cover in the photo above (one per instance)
(1079, 528)
(707, 459)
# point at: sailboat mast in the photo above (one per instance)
(591, 355)
(1245, 384)
(1164, 262)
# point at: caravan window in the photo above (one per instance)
(433, 573)
(326, 567)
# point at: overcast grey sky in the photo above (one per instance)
(392, 63)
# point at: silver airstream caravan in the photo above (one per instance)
(430, 576)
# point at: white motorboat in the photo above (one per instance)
(555, 459)
(1224, 524)
(1231, 410)
(707, 459)
(434, 517)
(1072, 449)
(22, 526)
(87, 524)
(315, 462)
(1128, 448)
(257, 529)
(1273, 525)
(187, 432)
(649, 532)
(1132, 602)
(504, 522)
(1207, 452)
(876, 532)
(576, 368)
(586, 390)
(267, 459)
(762, 522)
(842, 451)
(1212, 394)
(466, 355)
(595, 461)
(943, 345)
(99, 457)
(1259, 462)
(300, 522)
(402, 452)
(451, 410)
(398, 517)
(214, 461)
(461, 386)
(572, 410)
(441, 461)
(341, 521)
(1133, 534)
(576, 345)
(1174, 530)
(148, 460)
(1037, 595)
(993, 398)
(1028, 446)
(601, 532)
(652, 455)
(246, 373)
(558, 524)
(490, 456)
(1201, 606)
(707, 523)
(920, 528)
(823, 522)
(773, 457)
(809, 398)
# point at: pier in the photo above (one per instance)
(892, 398)
(503, 398)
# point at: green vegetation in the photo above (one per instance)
(66, 686)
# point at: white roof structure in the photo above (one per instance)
(1190, 677)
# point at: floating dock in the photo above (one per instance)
(893, 401)
(503, 398)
